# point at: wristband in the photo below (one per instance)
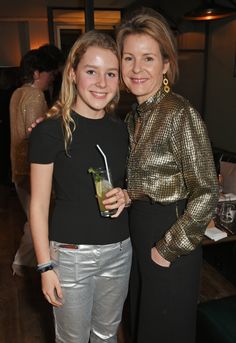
(45, 267)
(44, 264)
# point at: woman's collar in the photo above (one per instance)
(141, 109)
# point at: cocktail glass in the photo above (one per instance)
(227, 213)
(103, 184)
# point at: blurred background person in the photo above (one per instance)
(26, 105)
(57, 55)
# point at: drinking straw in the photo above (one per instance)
(105, 161)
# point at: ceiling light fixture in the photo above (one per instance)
(210, 11)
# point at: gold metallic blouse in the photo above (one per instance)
(171, 159)
(27, 104)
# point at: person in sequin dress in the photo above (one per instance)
(27, 103)
(171, 181)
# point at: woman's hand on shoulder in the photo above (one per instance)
(51, 288)
(35, 123)
(158, 259)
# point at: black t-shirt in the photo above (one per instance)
(76, 218)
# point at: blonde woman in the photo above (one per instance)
(171, 181)
(84, 259)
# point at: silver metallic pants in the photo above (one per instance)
(94, 281)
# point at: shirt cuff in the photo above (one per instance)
(165, 252)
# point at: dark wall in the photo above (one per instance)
(9, 78)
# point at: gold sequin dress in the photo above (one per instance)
(26, 105)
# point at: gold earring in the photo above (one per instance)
(166, 84)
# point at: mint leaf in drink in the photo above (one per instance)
(96, 174)
(92, 170)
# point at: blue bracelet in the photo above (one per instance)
(44, 264)
(43, 269)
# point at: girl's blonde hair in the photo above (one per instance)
(68, 89)
(149, 22)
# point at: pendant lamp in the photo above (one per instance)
(210, 11)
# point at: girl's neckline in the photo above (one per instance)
(78, 115)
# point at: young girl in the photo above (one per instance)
(85, 267)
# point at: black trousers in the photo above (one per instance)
(163, 301)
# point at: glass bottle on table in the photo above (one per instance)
(220, 182)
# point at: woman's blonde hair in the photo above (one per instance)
(150, 22)
(68, 88)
